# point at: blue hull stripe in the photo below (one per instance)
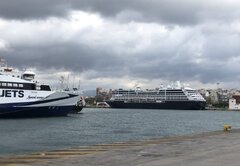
(35, 111)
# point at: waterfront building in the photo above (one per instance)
(213, 96)
(234, 102)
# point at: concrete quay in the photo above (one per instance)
(205, 149)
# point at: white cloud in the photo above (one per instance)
(3, 45)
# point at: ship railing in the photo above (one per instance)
(153, 98)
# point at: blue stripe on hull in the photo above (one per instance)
(35, 111)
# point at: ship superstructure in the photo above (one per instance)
(177, 97)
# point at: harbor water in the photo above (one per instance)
(97, 126)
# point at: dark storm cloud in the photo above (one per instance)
(218, 60)
(69, 56)
(183, 12)
(184, 70)
(32, 9)
(80, 58)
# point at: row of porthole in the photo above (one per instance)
(8, 84)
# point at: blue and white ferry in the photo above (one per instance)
(20, 96)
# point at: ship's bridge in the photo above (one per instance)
(28, 75)
(193, 94)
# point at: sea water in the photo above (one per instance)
(98, 126)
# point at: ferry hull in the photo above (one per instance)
(45, 111)
(182, 105)
(76, 109)
(56, 104)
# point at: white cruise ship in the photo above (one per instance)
(177, 97)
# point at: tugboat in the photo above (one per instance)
(20, 96)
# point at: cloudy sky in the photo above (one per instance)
(112, 43)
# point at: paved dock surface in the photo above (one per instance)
(205, 149)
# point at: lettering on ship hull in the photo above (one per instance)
(12, 93)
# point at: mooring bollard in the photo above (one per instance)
(227, 127)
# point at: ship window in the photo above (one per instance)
(45, 88)
(28, 86)
(15, 85)
(20, 85)
(4, 84)
(9, 84)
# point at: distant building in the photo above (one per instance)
(98, 91)
(213, 96)
(202, 92)
(234, 102)
(234, 92)
(222, 95)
